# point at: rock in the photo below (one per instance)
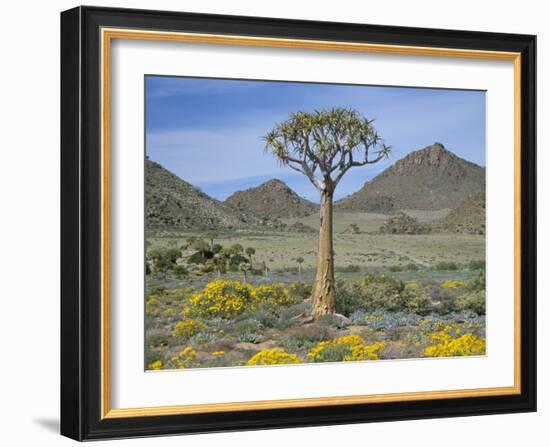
(402, 223)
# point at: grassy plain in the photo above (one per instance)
(433, 281)
(368, 249)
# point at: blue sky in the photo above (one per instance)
(209, 131)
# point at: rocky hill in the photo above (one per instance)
(172, 202)
(272, 199)
(402, 223)
(467, 218)
(428, 179)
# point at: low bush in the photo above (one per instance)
(348, 269)
(452, 284)
(446, 266)
(164, 259)
(380, 292)
(187, 328)
(203, 338)
(250, 337)
(273, 357)
(384, 293)
(345, 349)
(307, 337)
(348, 298)
(228, 299)
(384, 320)
(332, 321)
(477, 265)
(184, 359)
(471, 300)
(452, 342)
(300, 291)
(477, 283)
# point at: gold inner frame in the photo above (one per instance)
(107, 35)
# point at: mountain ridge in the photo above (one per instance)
(273, 198)
(173, 202)
(426, 179)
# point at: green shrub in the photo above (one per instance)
(380, 292)
(395, 268)
(300, 290)
(334, 353)
(250, 337)
(164, 259)
(477, 265)
(411, 267)
(180, 270)
(477, 283)
(348, 298)
(348, 269)
(474, 301)
(446, 266)
(307, 337)
(288, 315)
(203, 338)
(264, 315)
(246, 325)
(447, 302)
(332, 321)
(414, 300)
(197, 258)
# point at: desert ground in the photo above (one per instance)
(434, 284)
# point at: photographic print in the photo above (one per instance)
(232, 217)
(293, 222)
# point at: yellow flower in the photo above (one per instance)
(347, 348)
(450, 342)
(228, 299)
(184, 359)
(218, 353)
(187, 328)
(273, 357)
(155, 365)
(452, 284)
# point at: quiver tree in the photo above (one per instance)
(323, 146)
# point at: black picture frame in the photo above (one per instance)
(81, 223)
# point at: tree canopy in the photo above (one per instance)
(325, 144)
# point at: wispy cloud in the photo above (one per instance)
(209, 132)
(170, 87)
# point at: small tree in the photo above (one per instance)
(211, 236)
(265, 268)
(237, 249)
(190, 240)
(201, 246)
(244, 267)
(250, 252)
(219, 264)
(323, 146)
(300, 260)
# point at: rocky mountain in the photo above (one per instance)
(172, 202)
(273, 199)
(467, 218)
(427, 179)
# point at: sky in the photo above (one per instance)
(209, 131)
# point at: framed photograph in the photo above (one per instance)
(276, 223)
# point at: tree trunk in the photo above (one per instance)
(323, 296)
